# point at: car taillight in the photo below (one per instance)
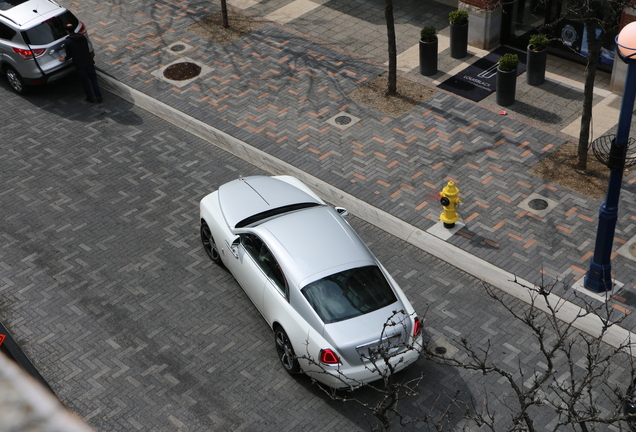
(82, 29)
(27, 54)
(417, 326)
(329, 357)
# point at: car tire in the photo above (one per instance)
(15, 80)
(285, 351)
(209, 245)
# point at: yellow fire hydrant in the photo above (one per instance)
(449, 200)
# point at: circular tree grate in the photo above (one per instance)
(601, 147)
(182, 71)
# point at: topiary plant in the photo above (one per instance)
(508, 62)
(428, 34)
(538, 42)
(458, 17)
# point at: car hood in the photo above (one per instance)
(356, 338)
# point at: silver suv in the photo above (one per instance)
(32, 37)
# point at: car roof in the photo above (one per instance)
(244, 199)
(313, 243)
(24, 13)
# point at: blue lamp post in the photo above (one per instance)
(599, 276)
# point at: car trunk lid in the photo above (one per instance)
(364, 339)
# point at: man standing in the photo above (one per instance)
(77, 50)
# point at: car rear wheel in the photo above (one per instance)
(209, 245)
(15, 80)
(285, 351)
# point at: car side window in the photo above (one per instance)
(6, 32)
(252, 245)
(265, 260)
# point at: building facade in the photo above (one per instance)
(494, 23)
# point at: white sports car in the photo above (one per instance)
(336, 313)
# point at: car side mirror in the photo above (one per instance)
(342, 211)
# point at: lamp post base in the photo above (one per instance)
(598, 278)
(603, 296)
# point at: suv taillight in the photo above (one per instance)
(82, 29)
(417, 326)
(329, 357)
(28, 54)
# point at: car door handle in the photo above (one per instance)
(231, 249)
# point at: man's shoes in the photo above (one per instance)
(99, 99)
(89, 99)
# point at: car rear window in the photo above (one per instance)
(50, 30)
(8, 4)
(349, 294)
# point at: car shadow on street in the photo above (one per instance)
(440, 397)
(65, 98)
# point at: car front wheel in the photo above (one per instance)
(15, 81)
(209, 245)
(285, 351)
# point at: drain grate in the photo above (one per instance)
(178, 47)
(538, 205)
(628, 250)
(440, 350)
(343, 120)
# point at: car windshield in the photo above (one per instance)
(50, 30)
(349, 294)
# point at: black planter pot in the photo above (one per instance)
(428, 57)
(506, 87)
(535, 66)
(459, 41)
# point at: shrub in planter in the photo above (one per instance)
(508, 62)
(458, 17)
(428, 34)
(428, 51)
(538, 42)
(507, 79)
(458, 33)
(537, 56)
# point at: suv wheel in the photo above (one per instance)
(15, 80)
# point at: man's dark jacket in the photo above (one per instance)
(77, 50)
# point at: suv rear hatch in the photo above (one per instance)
(47, 39)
